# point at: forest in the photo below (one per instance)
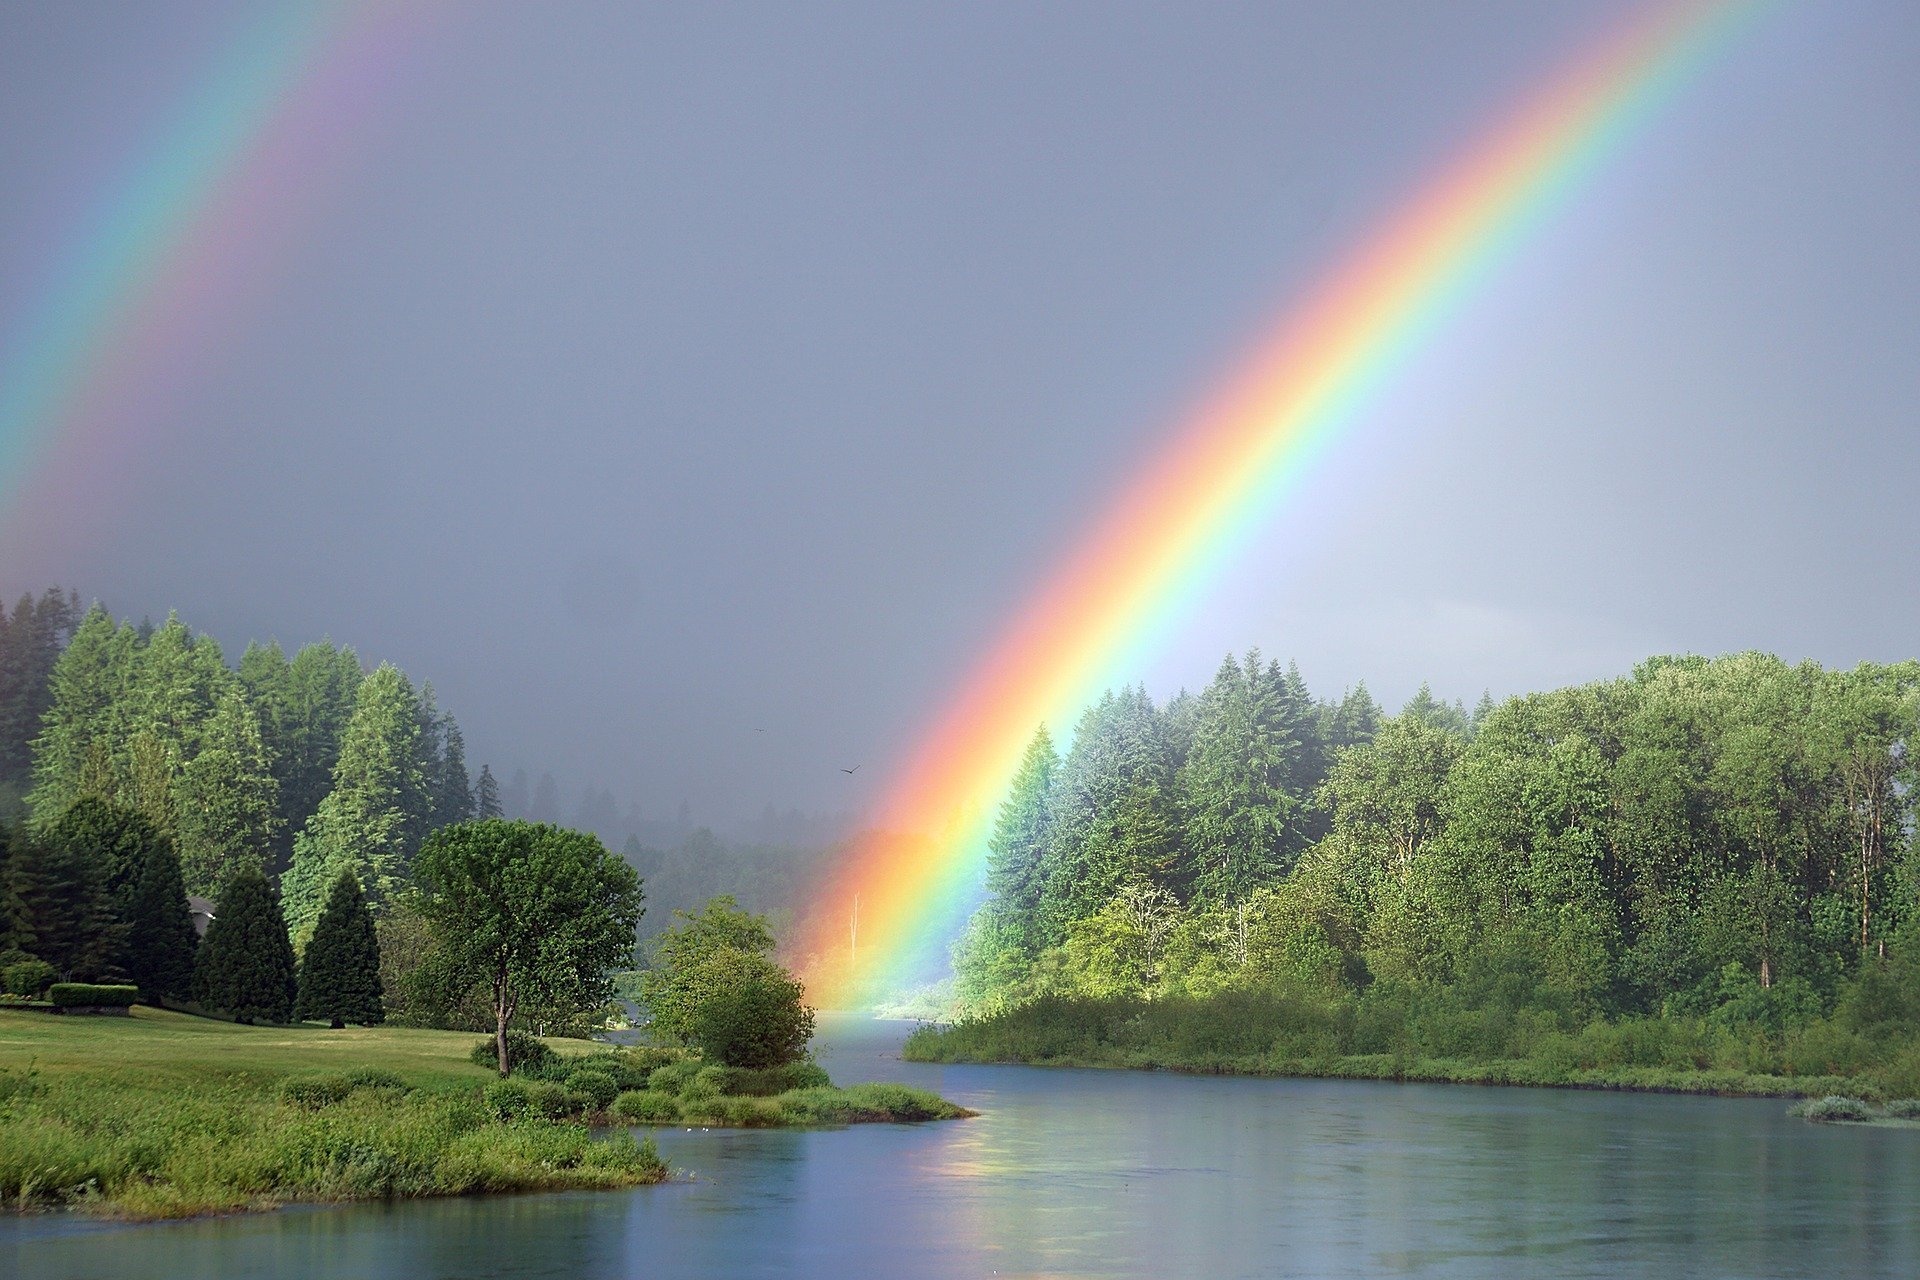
(1726, 843)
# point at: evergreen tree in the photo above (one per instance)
(1019, 840)
(340, 972)
(160, 944)
(365, 824)
(545, 805)
(1240, 813)
(486, 796)
(323, 685)
(227, 800)
(30, 643)
(63, 915)
(452, 788)
(74, 750)
(1351, 721)
(246, 967)
(515, 800)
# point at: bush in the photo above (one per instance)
(745, 1082)
(758, 1019)
(29, 978)
(1904, 1109)
(314, 1092)
(646, 1106)
(595, 1085)
(86, 995)
(508, 1099)
(674, 1077)
(376, 1078)
(1832, 1109)
(545, 1098)
(524, 1052)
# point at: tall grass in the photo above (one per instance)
(1413, 1035)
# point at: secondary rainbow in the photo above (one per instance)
(1194, 503)
(146, 282)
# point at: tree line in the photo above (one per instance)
(305, 766)
(1695, 833)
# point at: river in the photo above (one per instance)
(1092, 1173)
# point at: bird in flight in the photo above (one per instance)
(849, 770)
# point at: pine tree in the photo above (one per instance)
(340, 972)
(515, 799)
(1352, 721)
(74, 749)
(1019, 843)
(226, 798)
(323, 687)
(63, 913)
(1239, 810)
(364, 825)
(160, 944)
(486, 796)
(452, 788)
(30, 644)
(246, 967)
(545, 805)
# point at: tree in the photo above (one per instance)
(686, 973)
(532, 914)
(340, 972)
(228, 801)
(366, 822)
(246, 966)
(1242, 829)
(486, 796)
(1019, 843)
(756, 1016)
(30, 643)
(72, 752)
(323, 688)
(64, 912)
(161, 944)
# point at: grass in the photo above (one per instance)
(164, 1115)
(1287, 1034)
(811, 1106)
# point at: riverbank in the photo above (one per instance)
(1255, 1036)
(163, 1115)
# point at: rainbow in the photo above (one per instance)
(174, 248)
(1197, 501)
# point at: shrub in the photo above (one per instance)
(29, 978)
(545, 1098)
(707, 1082)
(1832, 1109)
(595, 1085)
(673, 1078)
(82, 995)
(757, 1019)
(508, 1099)
(1904, 1109)
(376, 1078)
(314, 1092)
(524, 1052)
(745, 1082)
(646, 1106)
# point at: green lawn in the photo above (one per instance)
(166, 1115)
(156, 1047)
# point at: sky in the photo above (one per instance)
(691, 392)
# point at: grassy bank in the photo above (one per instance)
(164, 1115)
(1291, 1034)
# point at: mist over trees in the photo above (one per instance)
(1697, 832)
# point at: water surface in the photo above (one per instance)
(1095, 1173)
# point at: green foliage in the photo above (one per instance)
(685, 972)
(372, 818)
(228, 800)
(532, 914)
(80, 995)
(63, 910)
(598, 1086)
(1832, 1110)
(509, 1098)
(245, 966)
(755, 1017)
(27, 978)
(644, 1106)
(315, 1092)
(340, 972)
(524, 1052)
(31, 639)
